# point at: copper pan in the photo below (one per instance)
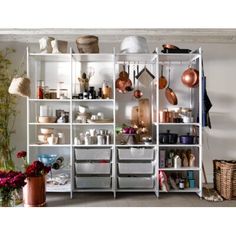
(190, 77)
(170, 95)
(123, 83)
(162, 80)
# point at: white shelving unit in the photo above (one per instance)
(67, 67)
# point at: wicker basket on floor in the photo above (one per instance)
(225, 178)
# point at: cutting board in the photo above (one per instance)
(145, 112)
(135, 115)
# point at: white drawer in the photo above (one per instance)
(93, 182)
(92, 153)
(136, 182)
(136, 153)
(136, 168)
(92, 168)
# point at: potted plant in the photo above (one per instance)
(8, 111)
(34, 192)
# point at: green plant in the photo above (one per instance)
(7, 111)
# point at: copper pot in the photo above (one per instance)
(164, 116)
(190, 77)
(34, 192)
(123, 83)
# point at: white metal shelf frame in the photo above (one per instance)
(153, 59)
(186, 59)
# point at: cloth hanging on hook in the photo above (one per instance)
(206, 102)
(145, 76)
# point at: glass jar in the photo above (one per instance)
(46, 93)
(53, 93)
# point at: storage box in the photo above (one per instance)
(93, 182)
(136, 168)
(92, 153)
(136, 182)
(136, 153)
(225, 178)
(92, 168)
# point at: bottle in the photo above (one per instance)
(99, 93)
(181, 184)
(177, 161)
(170, 159)
(40, 86)
(105, 90)
(58, 163)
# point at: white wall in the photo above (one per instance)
(219, 64)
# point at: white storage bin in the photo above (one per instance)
(92, 153)
(136, 182)
(93, 182)
(92, 168)
(136, 153)
(136, 168)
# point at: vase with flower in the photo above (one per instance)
(9, 182)
(34, 192)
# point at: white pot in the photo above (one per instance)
(134, 44)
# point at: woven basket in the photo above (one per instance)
(87, 44)
(225, 178)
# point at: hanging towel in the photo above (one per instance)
(206, 102)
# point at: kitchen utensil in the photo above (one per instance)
(145, 76)
(46, 130)
(47, 159)
(129, 88)
(52, 140)
(138, 93)
(123, 82)
(59, 46)
(42, 138)
(134, 44)
(47, 119)
(145, 113)
(83, 109)
(168, 138)
(170, 95)
(186, 139)
(162, 80)
(135, 116)
(164, 116)
(190, 77)
(45, 44)
(168, 48)
(87, 44)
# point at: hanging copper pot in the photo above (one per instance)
(190, 77)
(123, 83)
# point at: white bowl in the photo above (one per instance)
(47, 119)
(134, 44)
(46, 130)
